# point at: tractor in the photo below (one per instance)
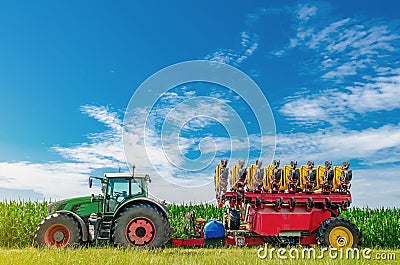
(122, 215)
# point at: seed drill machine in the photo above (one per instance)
(282, 205)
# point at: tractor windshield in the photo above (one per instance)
(119, 189)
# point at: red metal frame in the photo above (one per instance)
(229, 241)
(269, 222)
(187, 242)
(270, 215)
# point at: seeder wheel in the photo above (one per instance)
(338, 232)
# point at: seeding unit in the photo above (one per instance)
(286, 205)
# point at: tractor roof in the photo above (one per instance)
(125, 175)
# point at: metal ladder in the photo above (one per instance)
(104, 231)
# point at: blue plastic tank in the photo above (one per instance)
(214, 229)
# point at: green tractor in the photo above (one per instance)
(123, 215)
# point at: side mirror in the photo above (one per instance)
(90, 182)
(147, 178)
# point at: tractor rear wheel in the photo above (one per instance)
(58, 230)
(338, 232)
(141, 225)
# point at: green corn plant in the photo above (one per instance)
(178, 214)
(19, 220)
(380, 227)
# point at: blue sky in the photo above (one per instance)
(329, 69)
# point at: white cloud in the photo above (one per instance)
(303, 14)
(380, 93)
(337, 144)
(279, 53)
(164, 147)
(198, 112)
(249, 45)
(349, 68)
(103, 115)
(54, 180)
(306, 11)
(60, 179)
(349, 46)
(222, 56)
(103, 149)
(248, 52)
(376, 182)
(245, 39)
(327, 34)
(376, 187)
(63, 179)
(373, 40)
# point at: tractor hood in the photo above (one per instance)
(82, 206)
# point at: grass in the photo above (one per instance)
(171, 256)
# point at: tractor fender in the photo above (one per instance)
(157, 204)
(82, 224)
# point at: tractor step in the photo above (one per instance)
(104, 231)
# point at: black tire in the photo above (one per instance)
(338, 232)
(141, 225)
(58, 230)
(292, 202)
(232, 221)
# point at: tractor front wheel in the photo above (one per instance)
(141, 225)
(57, 230)
(338, 232)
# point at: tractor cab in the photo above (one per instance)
(118, 188)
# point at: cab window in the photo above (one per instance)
(119, 189)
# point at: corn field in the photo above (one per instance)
(19, 219)
(380, 227)
(179, 213)
(18, 222)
